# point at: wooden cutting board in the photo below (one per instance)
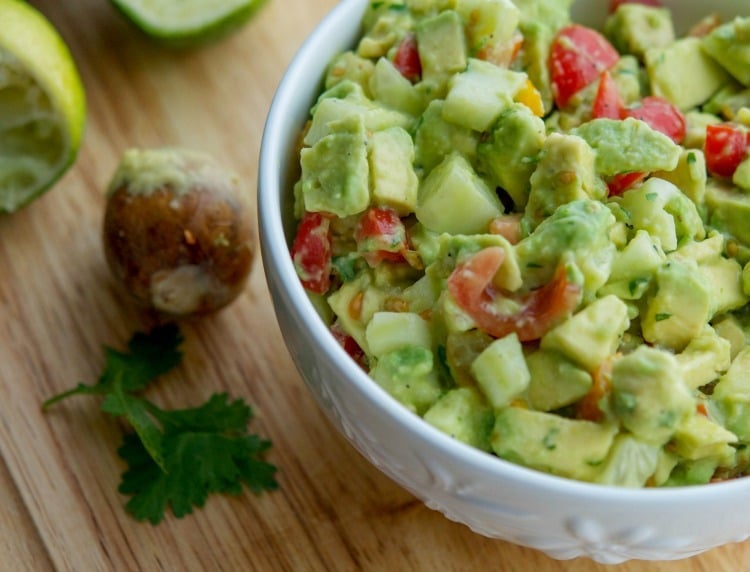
(59, 508)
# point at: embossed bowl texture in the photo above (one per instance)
(563, 518)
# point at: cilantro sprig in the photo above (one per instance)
(175, 458)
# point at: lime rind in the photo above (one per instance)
(190, 22)
(42, 106)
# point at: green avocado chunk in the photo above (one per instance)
(335, 173)
(463, 414)
(634, 28)
(729, 45)
(549, 442)
(667, 71)
(648, 394)
(629, 145)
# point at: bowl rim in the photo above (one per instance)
(304, 67)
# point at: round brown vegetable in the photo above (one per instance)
(177, 233)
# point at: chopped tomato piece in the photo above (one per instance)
(705, 26)
(508, 226)
(407, 59)
(607, 102)
(621, 182)
(578, 57)
(501, 54)
(312, 252)
(615, 4)
(350, 346)
(380, 235)
(470, 284)
(588, 408)
(661, 115)
(725, 148)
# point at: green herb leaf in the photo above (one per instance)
(176, 458)
(205, 451)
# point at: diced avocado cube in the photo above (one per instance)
(741, 176)
(648, 394)
(661, 209)
(591, 335)
(679, 308)
(689, 175)
(627, 76)
(392, 178)
(450, 315)
(461, 349)
(335, 174)
(343, 106)
(349, 66)
(490, 27)
(724, 275)
(666, 71)
(511, 152)
(634, 28)
(705, 358)
(537, 39)
(454, 199)
(436, 138)
(392, 89)
(630, 463)
(728, 210)
(479, 94)
(384, 23)
(548, 442)
(638, 260)
(735, 383)
(729, 328)
(578, 231)
(409, 376)
(624, 146)
(698, 437)
(552, 14)
(370, 300)
(555, 380)
(501, 372)
(389, 331)
(442, 48)
(665, 464)
(732, 396)
(565, 173)
(729, 44)
(463, 414)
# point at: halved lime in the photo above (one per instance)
(42, 105)
(185, 22)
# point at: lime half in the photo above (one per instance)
(42, 105)
(186, 22)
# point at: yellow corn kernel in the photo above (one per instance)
(529, 96)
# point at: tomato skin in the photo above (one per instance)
(312, 252)
(660, 115)
(380, 235)
(615, 4)
(470, 284)
(621, 182)
(407, 59)
(725, 149)
(607, 102)
(350, 346)
(578, 57)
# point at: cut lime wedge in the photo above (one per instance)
(185, 22)
(42, 105)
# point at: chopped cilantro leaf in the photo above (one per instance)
(176, 458)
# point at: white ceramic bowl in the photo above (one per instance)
(560, 517)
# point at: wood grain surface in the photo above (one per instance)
(59, 507)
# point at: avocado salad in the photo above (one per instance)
(536, 235)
